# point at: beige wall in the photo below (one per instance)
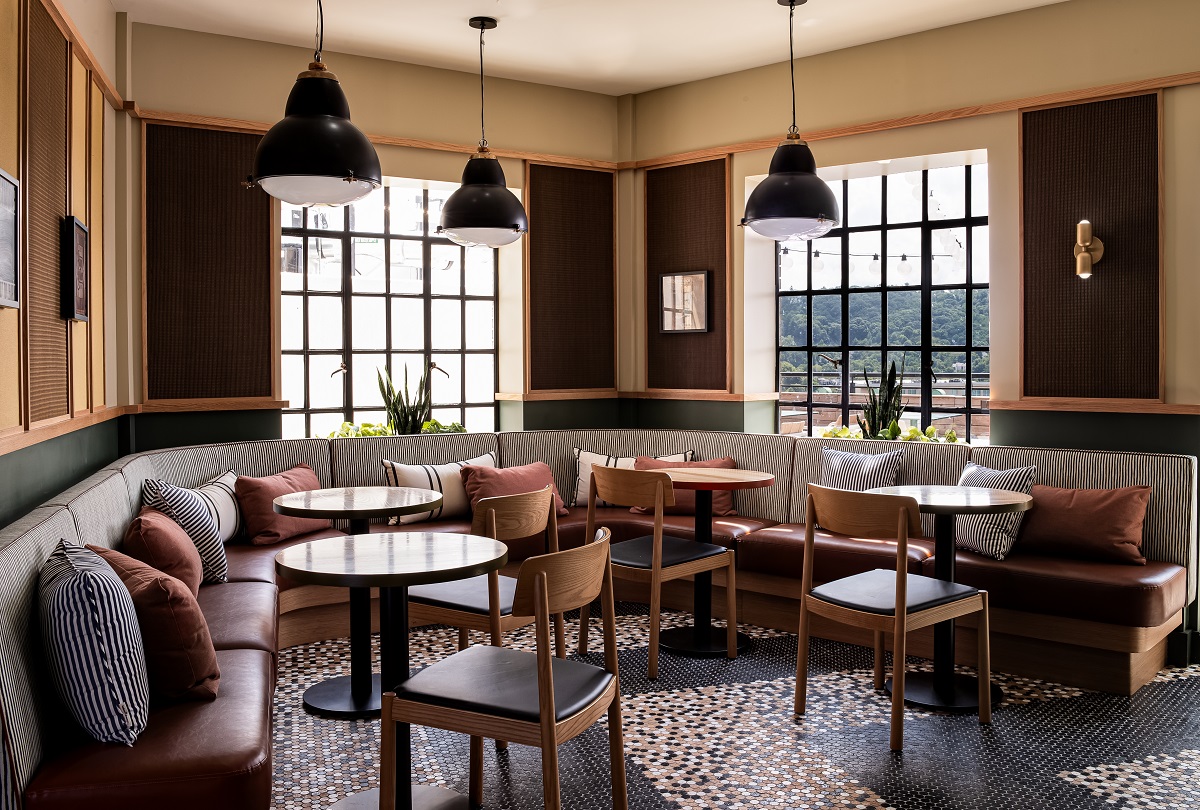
(1001, 58)
(184, 71)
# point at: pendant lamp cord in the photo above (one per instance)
(482, 127)
(792, 130)
(319, 35)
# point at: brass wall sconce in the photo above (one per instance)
(1088, 249)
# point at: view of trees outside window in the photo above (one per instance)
(372, 286)
(905, 278)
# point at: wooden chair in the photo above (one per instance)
(485, 603)
(522, 697)
(657, 558)
(869, 600)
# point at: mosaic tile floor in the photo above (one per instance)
(720, 734)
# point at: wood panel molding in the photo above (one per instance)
(1147, 406)
(59, 427)
(227, 404)
(548, 395)
(698, 395)
(259, 127)
(1009, 105)
(81, 49)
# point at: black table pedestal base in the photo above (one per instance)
(424, 797)
(687, 642)
(962, 697)
(335, 698)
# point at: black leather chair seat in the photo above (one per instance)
(468, 595)
(875, 592)
(637, 553)
(503, 682)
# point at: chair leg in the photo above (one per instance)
(731, 609)
(802, 658)
(616, 753)
(475, 789)
(464, 638)
(387, 757)
(497, 636)
(878, 660)
(560, 636)
(985, 663)
(551, 798)
(898, 664)
(585, 613)
(655, 617)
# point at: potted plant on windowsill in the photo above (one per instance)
(881, 415)
(408, 413)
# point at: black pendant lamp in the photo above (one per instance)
(792, 202)
(483, 211)
(315, 156)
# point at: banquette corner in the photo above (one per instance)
(1071, 616)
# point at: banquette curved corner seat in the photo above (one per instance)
(1092, 624)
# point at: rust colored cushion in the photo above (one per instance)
(180, 659)
(1098, 524)
(488, 482)
(264, 525)
(157, 540)
(685, 499)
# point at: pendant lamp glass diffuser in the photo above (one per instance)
(315, 155)
(483, 212)
(792, 203)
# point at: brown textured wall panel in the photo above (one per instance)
(687, 230)
(46, 197)
(1097, 337)
(208, 267)
(571, 317)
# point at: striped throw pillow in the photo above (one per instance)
(585, 460)
(189, 508)
(992, 535)
(93, 644)
(221, 501)
(443, 478)
(859, 471)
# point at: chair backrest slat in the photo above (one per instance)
(513, 516)
(632, 487)
(575, 578)
(863, 514)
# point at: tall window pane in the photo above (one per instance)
(371, 287)
(905, 278)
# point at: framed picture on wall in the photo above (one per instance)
(684, 302)
(75, 266)
(9, 231)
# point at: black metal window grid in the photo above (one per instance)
(911, 290)
(384, 270)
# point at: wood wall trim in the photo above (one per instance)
(1146, 406)
(1010, 105)
(544, 396)
(227, 404)
(259, 127)
(685, 394)
(60, 427)
(81, 49)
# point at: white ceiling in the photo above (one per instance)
(607, 46)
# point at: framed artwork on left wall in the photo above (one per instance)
(75, 266)
(9, 232)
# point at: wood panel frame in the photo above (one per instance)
(529, 394)
(693, 393)
(1096, 404)
(271, 402)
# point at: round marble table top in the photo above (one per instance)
(953, 500)
(357, 502)
(390, 559)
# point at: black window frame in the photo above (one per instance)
(428, 240)
(845, 350)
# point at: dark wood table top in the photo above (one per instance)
(390, 559)
(954, 500)
(717, 478)
(358, 502)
